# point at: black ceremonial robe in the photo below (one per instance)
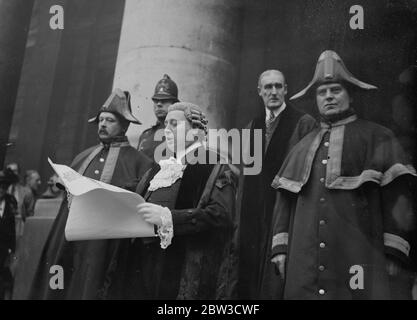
(256, 197)
(200, 262)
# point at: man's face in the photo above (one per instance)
(109, 126)
(160, 108)
(332, 99)
(34, 181)
(176, 129)
(272, 89)
(14, 167)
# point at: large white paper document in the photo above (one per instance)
(99, 210)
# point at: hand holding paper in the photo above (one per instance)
(151, 213)
(99, 210)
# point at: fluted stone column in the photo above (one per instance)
(196, 42)
(14, 25)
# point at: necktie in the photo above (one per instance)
(268, 128)
(269, 122)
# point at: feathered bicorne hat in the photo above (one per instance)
(330, 68)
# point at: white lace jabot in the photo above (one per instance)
(172, 169)
(170, 172)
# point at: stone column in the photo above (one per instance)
(14, 24)
(195, 42)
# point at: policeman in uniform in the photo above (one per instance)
(166, 93)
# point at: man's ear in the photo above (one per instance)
(259, 91)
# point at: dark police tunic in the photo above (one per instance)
(147, 143)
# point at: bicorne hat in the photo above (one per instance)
(118, 103)
(330, 68)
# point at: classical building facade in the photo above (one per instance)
(53, 80)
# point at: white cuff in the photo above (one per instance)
(396, 242)
(166, 230)
(280, 239)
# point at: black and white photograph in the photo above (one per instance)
(225, 152)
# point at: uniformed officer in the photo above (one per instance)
(166, 93)
(114, 161)
(349, 181)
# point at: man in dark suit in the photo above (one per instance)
(277, 120)
(8, 208)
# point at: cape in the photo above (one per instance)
(360, 151)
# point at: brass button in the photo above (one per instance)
(321, 180)
(322, 245)
(101, 160)
(322, 199)
(326, 144)
(96, 172)
(322, 222)
(321, 268)
(322, 292)
(324, 161)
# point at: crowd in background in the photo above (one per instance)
(21, 192)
